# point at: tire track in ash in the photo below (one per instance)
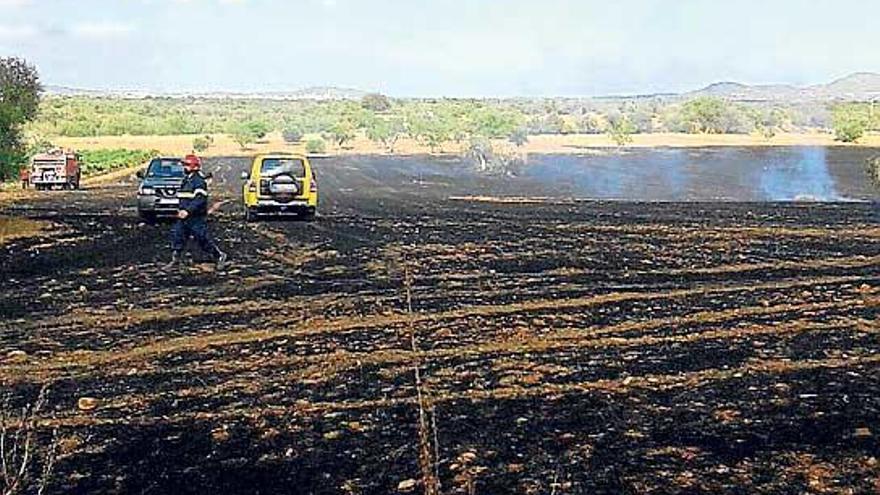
(690, 380)
(260, 371)
(210, 364)
(440, 365)
(80, 359)
(328, 366)
(83, 318)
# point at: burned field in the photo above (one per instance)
(561, 346)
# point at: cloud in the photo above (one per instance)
(18, 32)
(194, 2)
(14, 3)
(102, 30)
(86, 30)
(221, 2)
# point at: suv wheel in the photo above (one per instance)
(148, 217)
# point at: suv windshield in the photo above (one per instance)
(161, 168)
(277, 166)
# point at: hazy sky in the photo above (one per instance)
(441, 47)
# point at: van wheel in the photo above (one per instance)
(309, 215)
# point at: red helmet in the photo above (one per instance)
(192, 161)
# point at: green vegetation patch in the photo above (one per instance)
(107, 160)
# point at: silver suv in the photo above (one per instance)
(157, 192)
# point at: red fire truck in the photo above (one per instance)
(57, 168)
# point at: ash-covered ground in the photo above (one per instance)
(563, 346)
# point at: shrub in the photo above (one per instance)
(621, 129)
(546, 124)
(850, 123)
(519, 136)
(292, 134)
(243, 134)
(258, 128)
(590, 124)
(28, 458)
(376, 102)
(201, 144)
(316, 145)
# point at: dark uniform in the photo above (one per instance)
(193, 195)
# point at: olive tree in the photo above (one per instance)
(386, 131)
(850, 123)
(621, 129)
(704, 115)
(376, 102)
(430, 127)
(341, 132)
(769, 122)
(19, 101)
(243, 134)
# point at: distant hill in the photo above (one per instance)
(328, 93)
(860, 86)
(743, 92)
(313, 93)
(68, 91)
(863, 86)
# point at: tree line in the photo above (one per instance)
(432, 121)
(472, 124)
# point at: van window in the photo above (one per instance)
(277, 166)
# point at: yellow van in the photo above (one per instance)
(280, 184)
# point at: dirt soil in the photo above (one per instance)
(563, 347)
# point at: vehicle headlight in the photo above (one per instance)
(146, 190)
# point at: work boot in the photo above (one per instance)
(221, 260)
(174, 264)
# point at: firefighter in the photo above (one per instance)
(191, 217)
(25, 176)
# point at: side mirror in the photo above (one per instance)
(245, 176)
(140, 174)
